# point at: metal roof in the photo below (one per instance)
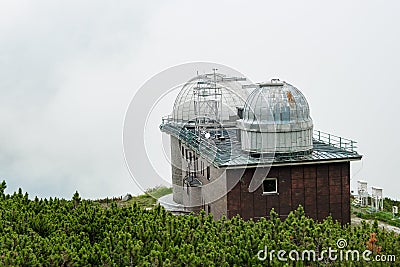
(227, 153)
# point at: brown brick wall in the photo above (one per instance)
(322, 189)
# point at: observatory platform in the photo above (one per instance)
(227, 152)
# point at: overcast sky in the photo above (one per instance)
(68, 70)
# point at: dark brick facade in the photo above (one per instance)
(322, 189)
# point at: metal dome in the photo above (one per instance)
(212, 96)
(276, 119)
(276, 103)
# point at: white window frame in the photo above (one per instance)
(276, 186)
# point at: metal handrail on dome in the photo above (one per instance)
(167, 119)
(336, 141)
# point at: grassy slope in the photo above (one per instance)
(146, 200)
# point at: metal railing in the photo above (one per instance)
(336, 141)
(209, 149)
(166, 119)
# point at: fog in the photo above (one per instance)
(69, 69)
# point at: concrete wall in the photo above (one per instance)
(215, 192)
(189, 196)
(177, 173)
(211, 196)
(192, 198)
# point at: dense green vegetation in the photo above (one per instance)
(78, 232)
(389, 203)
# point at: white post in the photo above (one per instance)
(377, 194)
(362, 193)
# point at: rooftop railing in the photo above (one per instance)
(336, 141)
(206, 146)
(166, 119)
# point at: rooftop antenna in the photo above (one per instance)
(218, 110)
(207, 102)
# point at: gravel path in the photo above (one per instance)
(356, 221)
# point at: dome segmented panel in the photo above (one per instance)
(276, 104)
(209, 95)
(276, 119)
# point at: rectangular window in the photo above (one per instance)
(270, 186)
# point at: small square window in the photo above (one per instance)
(270, 185)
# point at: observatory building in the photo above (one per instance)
(239, 148)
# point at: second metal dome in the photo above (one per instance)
(276, 119)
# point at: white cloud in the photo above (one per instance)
(68, 70)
